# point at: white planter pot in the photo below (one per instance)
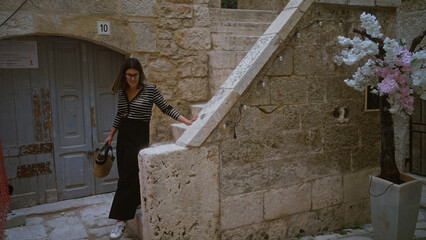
(394, 213)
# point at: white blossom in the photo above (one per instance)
(371, 25)
(362, 76)
(391, 46)
(357, 49)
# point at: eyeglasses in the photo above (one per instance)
(128, 75)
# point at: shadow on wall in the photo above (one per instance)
(229, 4)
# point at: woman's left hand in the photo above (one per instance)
(182, 119)
(192, 120)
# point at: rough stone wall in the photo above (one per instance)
(180, 67)
(169, 37)
(304, 146)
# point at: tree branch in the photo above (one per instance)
(417, 40)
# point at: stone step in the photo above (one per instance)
(178, 129)
(227, 42)
(196, 108)
(242, 15)
(225, 59)
(221, 65)
(239, 28)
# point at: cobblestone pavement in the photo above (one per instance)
(87, 218)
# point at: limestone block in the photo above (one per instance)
(326, 192)
(276, 229)
(284, 173)
(193, 38)
(215, 3)
(388, 3)
(329, 219)
(222, 59)
(317, 89)
(201, 16)
(283, 63)
(261, 96)
(64, 7)
(194, 89)
(217, 77)
(340, 136)
(145, 8)
(244, 179)
(176, 11)
(239, 153)
(315, 115)
(285, 22)
(180, 192)
(192, 67)
(343, 2)
(161, 65)
(250, 66)
(241, 210)
(145, 36)
(256, 122)
(302, 5)
(169, 24)
(358, 211)
(21, 23)
(359, 191)
(261, 5)
(288, 90)
(361, 2)
(301, 223)
(208, 118)
(308, 60)
(288, 201)
(165, 79)
(366, 157)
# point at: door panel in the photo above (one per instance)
(74, 177)
(25, 130)
(107, 65)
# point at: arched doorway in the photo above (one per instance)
(54, 117)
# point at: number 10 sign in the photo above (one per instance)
(104, 28)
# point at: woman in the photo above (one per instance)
(135, 101)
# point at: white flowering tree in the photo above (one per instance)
(393, 72)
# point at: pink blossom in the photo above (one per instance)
(387, 86)
(403, 58)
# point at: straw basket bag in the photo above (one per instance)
(103, 162)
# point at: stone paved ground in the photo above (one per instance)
(87, 218)
(84, 218)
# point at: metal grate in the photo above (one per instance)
(417, 158)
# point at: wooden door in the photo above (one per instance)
(54, 117)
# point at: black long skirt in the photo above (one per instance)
(133, 135)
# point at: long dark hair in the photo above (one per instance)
(121, 83)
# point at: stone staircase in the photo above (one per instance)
(233, 33)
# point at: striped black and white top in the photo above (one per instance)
(141, 105)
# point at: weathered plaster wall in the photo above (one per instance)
(169, 37)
